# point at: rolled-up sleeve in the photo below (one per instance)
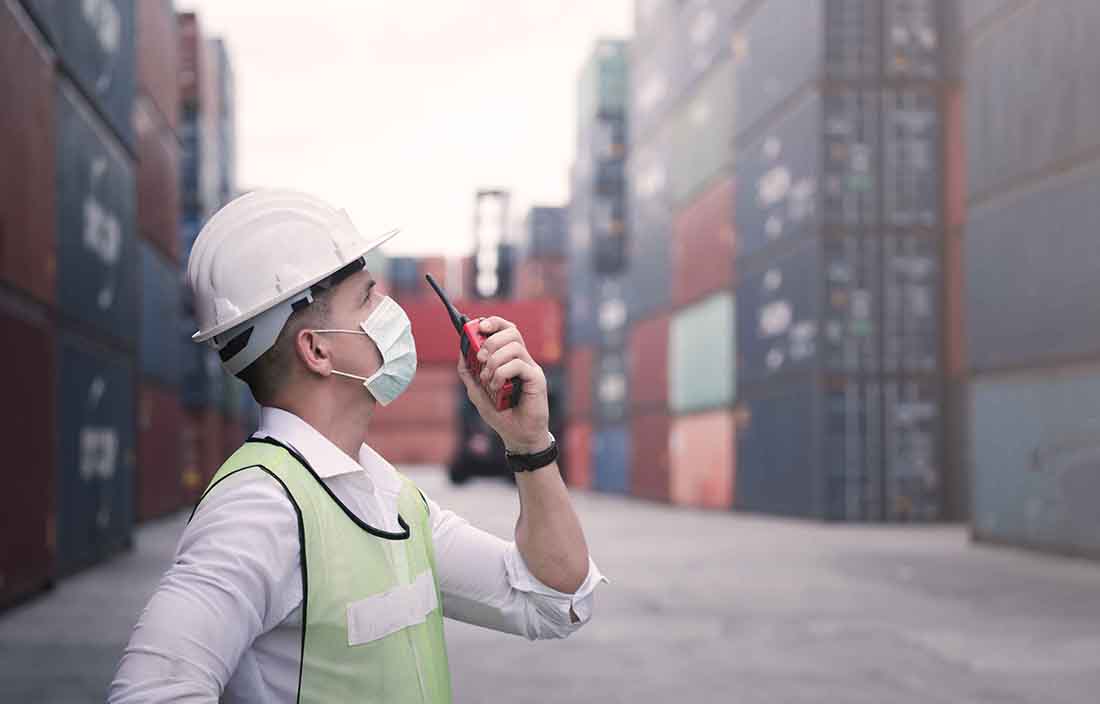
(485, 582)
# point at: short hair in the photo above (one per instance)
(265, 377)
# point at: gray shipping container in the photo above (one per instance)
(611, 386)
(1035, 447)
(975, 14)
(650, 217)
(161, 311)
(611, 311)
(97, 246)
(1031, 95)
(203, 379)
(95, 42)
(912, 441)
(812, 448)
(1031, 275)
(547, 232)
(96, 455)
(581, 326)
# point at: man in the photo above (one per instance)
(311, 570)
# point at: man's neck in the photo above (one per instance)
(343, 426)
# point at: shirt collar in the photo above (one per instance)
(325, 458)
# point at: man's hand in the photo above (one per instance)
(524, 428)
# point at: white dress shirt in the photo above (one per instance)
(225, 621)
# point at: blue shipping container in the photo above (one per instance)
(1035, 447)
(611, 460)
(611, 386)
(203, 379)
(96, 436)
(95, 41)
(97, 249)
(1031, 275)
(161, 310)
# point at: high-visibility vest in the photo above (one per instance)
(372, 618)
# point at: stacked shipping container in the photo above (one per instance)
(541, 267)
(1031, 103)
(841, 252)
(598, 241)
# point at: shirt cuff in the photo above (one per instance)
(552, 607)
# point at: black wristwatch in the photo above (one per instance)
(538, 460)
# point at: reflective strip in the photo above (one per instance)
(385, 614)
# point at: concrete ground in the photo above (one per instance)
(704, 607)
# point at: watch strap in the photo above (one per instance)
(531, 462)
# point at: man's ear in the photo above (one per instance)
(313, 349)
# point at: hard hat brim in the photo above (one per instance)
(204, 335)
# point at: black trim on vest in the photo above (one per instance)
(301, 556)
(376, 532)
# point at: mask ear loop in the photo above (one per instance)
(364, 379)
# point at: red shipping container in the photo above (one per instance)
(540, 323)
(158, 62)
(189, 56)
(28, 202)
(581, 360)
(417, 444)
(542, 277)
(160, 452)
(203, 451)
(703, 460)
(703, 245)
(233, 436)
(158, 179)
(954, 158)
(578, 455)
(437, 267)
(431, 399)
(649, 473)
(28, 536)
(649, 365)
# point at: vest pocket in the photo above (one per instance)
(384, 614)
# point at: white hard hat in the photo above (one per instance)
(260, 258)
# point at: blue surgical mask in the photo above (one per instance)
(390, 329)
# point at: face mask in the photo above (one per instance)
(391, 331)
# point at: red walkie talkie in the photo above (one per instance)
(469, 341)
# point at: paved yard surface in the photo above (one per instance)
(704, 607)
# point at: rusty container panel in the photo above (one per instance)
(434, 445)
(158, 59)
(649, 365)
(96, 452)
(203, 450)
(954, 158)
(28, 205)
(429, 400)
(704, 459)
(28, 541)
(540, 322)
(159, 452)
(579, 370)
(650, 473)
(703, 245)
(158, 179)
(578, 456)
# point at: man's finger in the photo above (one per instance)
(526, 371)
(493, 324)
(513, 350)
(497, 340)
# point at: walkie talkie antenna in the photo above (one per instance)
(457, 318)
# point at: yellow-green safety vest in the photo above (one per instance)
(372, 618)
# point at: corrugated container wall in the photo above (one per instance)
(161, 304)
(28, 150)
(702, 134)
(95, 43)
(547, 232)
(578, 455)
(158, 171)
(703, 245)
(703, 460)
(649, 345)
(1017, 136)
(158, 58)
(580, 368)
(29, 539)
(650, 463)
(96, 453)
(610, 387)
(1034, 449)
(437, 342)
(611, 460)
(701, 355)
(159, 485)
(97, 249)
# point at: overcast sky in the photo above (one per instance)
(398, 111)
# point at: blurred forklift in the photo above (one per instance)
(526, 284)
